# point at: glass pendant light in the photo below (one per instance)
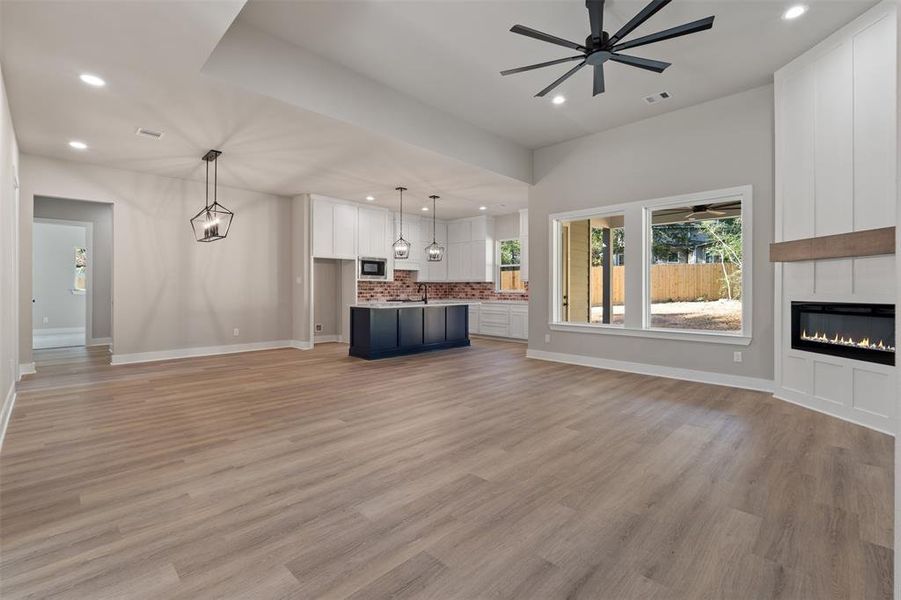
(433, 251)
(401, 246)
(214, 220)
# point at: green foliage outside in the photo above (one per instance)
(510, 252)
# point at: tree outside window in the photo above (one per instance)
(81, 264)
(509, 275)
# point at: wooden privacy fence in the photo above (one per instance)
(510, 280)
(670, 283)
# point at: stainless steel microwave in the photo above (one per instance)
(373, 268)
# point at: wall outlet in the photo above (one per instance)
(318, 327)
(736, 356)
(547, 338)
(236, 332)
(46, 320)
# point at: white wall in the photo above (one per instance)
(720, 144)
(171, 292)
(53, 266)
(836, 172)
(101, 267)
(9, 252)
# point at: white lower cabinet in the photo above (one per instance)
(500, 319)
(519, 322)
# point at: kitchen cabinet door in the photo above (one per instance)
(458, 261)
(519, 322)
(372, 236)
(345, 231)
(323, 228)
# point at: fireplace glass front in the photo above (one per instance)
(857, 331)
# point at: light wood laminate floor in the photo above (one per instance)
(470, 473)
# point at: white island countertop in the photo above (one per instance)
(437, 302)
(418, 304)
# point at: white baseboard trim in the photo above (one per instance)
(736, 381)
(26, 369)
(6, 413)
(325, 339)
(873, 421)
(141, 357)
(57, 331)
(106, 341)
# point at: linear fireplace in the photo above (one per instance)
(857, 331)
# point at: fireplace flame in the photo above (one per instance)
(838, 340)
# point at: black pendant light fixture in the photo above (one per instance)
(213, 221)
(433, 251)
(401, 246)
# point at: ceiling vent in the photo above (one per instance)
(149, 133)
(654, 99)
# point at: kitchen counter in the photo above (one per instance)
(385, 329)
(451, 302)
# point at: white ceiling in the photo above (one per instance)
(445, 54)
(151, 54)
(448, 54)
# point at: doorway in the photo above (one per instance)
(61, 299)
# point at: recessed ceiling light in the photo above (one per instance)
(483, 208)
(370, 198)
(558, 100)
(78, 145)
(425, 209)
(92, 80)
(794, 12)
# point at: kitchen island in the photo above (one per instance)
(385, 329)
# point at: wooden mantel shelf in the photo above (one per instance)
(872, 242)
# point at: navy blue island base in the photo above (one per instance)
(383, 331)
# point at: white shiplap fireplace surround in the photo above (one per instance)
(836, 172)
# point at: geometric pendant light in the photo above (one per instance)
(401, 246)
(433, 251)
(213, 221)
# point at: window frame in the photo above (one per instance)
(498, 265)
(640, 212)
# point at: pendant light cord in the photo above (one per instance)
(216, 179)
(434, 218)
(207, 188)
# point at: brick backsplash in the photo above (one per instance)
(404, 286)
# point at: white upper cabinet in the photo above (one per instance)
(434, 271)
(374, 231)
(334, 229)
(323, 227)
(470, 249)
(459, 231)
(345, 231)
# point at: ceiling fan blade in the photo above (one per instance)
(562, 78)
(598, 79)
(545, 37)
(667, 34)
(544, 64)
(596, 17)
(646, 13)
(642, 63)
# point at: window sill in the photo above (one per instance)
(78, 292)
(660, 334)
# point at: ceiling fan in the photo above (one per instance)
(701, 211)
(600, 46)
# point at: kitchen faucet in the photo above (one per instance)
(425, 293)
